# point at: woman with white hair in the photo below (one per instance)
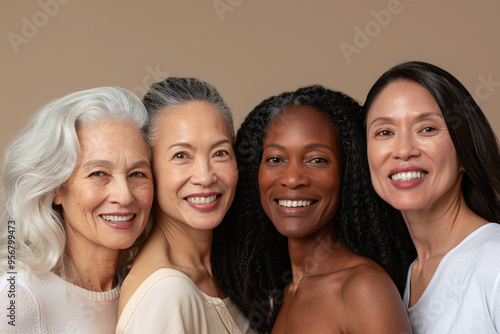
(78, 189)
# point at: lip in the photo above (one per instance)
(291, 211)
(120, 225)
(408, 183)
(406, 169)
(206, 206)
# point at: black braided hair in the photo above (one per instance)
(250, 258)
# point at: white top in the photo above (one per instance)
(463, 295)
(168, 301)
(48, 304)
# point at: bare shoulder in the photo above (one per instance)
(366, 275)
(371, 301)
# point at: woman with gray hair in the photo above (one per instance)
(78, 190)
(171, 288)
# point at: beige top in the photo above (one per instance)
(168, 301)
(47, 304)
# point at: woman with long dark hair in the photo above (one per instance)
(307, 229)
(435, 159)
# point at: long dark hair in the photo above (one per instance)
(470, 131)
(250, 258)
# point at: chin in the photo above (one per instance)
(121, 243)
(291, 232)
(206, 225)
(406, 206)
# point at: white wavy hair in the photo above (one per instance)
(39, 160)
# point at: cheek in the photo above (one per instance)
(228, 174)
(87, 196)
(330, 182)
(169, 179)
(144, 193)
(265, 179)
(375, 155)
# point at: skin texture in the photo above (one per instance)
(406, 131)
(114, 178)
(333, 290)
(194, 149)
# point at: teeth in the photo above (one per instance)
(111, 218)
(201, 200)
(293, 204)
(407, 176)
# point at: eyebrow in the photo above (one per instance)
(317, 145)
(183, 144)
(420, 117)
(308, 146)
(109, 164)
(98, 162)
(141, 163)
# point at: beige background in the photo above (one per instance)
(248, 49)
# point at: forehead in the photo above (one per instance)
(404, 94)
(192, 119)
(111, 140)
(304, 121)
(108, 133)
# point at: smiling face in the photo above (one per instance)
(413, 163)
(107, 199)
(300, 172)
(194, 166)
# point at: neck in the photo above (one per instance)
(95, 268)
(438, 230)
(309, 255)
(187, 247)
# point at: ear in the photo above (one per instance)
(57, 197)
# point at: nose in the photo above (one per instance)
(120, 191)
(405, 146)
(294, 175)
(203, 173)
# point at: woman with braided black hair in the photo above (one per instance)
(309, 237)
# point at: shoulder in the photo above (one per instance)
(165, 289)
(163, 282)
(489, 232)
(488, 236)
(146, 267)
(369, 291)
(481, 249)
(364, 280)
(21, 305)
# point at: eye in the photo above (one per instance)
(97, 174)
(221, 154)
(180, 155)
(274, 160)
(138, 174)
(428, 129)
(318, 161)
(383, 133)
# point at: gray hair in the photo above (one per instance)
(173, 92)
(40, 159)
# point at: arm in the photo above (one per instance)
(373, 304)
(20, 311)
(495, 304)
